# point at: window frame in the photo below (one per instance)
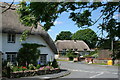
(11, 58)
(11, 38)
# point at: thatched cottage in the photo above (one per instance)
(77, 46)
(10, 34)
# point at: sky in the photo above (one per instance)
(63, 23)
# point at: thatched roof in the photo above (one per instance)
(72, 44)
(11, 24)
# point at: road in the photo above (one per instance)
(80, 70)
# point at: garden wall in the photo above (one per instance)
(105, 61)
(26, 73)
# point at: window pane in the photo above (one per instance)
(8, 57)
(13, 38)
(9, 37)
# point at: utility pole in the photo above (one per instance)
(112, 48)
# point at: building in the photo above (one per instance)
(77, 46)
(11, 32)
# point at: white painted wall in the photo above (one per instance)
(14, 47)
(0, 41)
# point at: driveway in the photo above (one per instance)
(80, 70)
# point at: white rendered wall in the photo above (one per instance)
(0, 41)
(14, 47)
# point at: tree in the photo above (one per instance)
(80, 13)
(29, 54)
(87, 35)
(70, 54)
(64, 35)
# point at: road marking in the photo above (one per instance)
(97, 75)
(88, 71)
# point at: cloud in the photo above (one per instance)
(116, 16)
(49, 30)
(58, 22)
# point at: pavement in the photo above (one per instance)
(44, 77)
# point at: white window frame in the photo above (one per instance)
(11, 54)
(11, 38)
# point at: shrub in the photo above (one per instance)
(31, 67)
(38, 66)
(55, 64)
(70, 54)
(29, 54)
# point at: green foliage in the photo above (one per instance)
(104, 44)
(80, 13)
(4, 68)
(24, 35)
(55, 64)
(70, 54)
(92, 54)
(87, 35)
(64, 35)
(32, 67)
(28, 54)
(38, 66)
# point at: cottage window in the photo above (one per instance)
(11, 57)
(11, 38)
(43, 58)
(64, 49)
(75, 49)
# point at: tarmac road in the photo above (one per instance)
(80, 70)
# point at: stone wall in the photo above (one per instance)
(105, 61)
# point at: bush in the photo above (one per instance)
(55, 64)
(70, 54)
(29, 54)
(31, 67)
(38, 66)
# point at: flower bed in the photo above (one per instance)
(26, 73)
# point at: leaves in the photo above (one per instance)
(29, 53)
(48, 12)
(64, 35)
(87, 35)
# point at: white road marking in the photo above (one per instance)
(97, 75)
(88, 71)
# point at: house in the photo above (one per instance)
(78, 46)
(11, 32)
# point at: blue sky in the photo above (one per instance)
(63, 23)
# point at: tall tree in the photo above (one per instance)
(80, 13)
(87, 35)
(64, 35)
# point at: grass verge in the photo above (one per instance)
(61, 60)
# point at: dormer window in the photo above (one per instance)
(11, 38)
